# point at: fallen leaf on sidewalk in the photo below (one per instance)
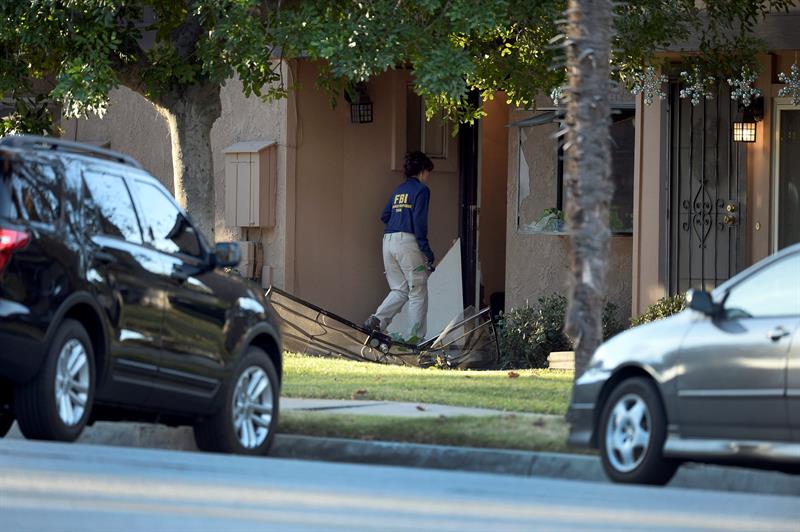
(513, 374)
(358, 394)
(420, 408)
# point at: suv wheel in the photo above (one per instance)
(631, 434)
(55, 405)
(246, 422)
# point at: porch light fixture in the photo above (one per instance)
(360, 104)
(744, 130)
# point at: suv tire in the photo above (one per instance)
(57, 402)
(631, 434)
(246, 422)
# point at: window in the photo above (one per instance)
(540, 192)
(772, 291)
(34, 192)
(109, 209)
(427, 136)
(164, 226)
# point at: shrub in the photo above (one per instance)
(663, 308)
(529, 334)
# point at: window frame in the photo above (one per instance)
(104, 173)
(24, 216)
(201, 243)
(628, 109)
(726, 291)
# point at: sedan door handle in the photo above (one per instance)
(777, 333)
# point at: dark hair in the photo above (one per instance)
(415, 162)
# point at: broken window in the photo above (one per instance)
(540, 192)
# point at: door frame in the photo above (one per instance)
(780, 104)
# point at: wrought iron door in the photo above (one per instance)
(707, 191)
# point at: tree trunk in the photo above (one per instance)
(190, 113)
(587, 169)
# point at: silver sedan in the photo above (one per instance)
(718, 382)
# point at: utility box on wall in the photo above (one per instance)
(251, 183)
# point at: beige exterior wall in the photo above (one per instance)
(133, 126)
(493, 196)
(344, 176)
(647, 282)
(538, 264)
(649, 259)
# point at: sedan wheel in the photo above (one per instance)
(628, 433)
(632, 432)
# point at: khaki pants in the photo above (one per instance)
(408, 281)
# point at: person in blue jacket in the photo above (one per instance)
(407, 255)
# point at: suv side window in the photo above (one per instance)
(165, 227)
(34, 192)
(772, 291)
(109, 207)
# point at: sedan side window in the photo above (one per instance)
(109, 208)
(165, 227)
(772, 291)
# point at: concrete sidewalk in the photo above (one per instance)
(388, 408)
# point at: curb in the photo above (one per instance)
(499, 461)
(521, 463)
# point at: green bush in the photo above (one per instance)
(529, 334)
(663, 308)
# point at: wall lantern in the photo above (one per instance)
(360, 104)
(744, 129)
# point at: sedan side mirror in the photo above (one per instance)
(700, 301)
(227, 254)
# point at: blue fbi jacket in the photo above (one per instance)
(407, 212)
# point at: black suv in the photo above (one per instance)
(113, 307)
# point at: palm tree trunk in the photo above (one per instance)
(587, 169)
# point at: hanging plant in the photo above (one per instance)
(792, 81)
(742, 87)
(698, 86)
(648, 83)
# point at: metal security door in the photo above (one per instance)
(707, 190)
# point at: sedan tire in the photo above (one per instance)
(631, 434)
(247, 421)
(56, 404)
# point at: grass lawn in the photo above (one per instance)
(535, 390)
(509, 431)
(531, 392)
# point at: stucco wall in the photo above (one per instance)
(538, 264)
(344, 177)
(494, 177)
(133, 126)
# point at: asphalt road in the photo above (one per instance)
(63, 487)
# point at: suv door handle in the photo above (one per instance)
(104, 257)
(777, 333)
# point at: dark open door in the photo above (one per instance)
(468, 136)
(707, 191)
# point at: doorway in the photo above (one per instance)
(786, 187)
(706, 192)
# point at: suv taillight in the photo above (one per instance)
(10, 241)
